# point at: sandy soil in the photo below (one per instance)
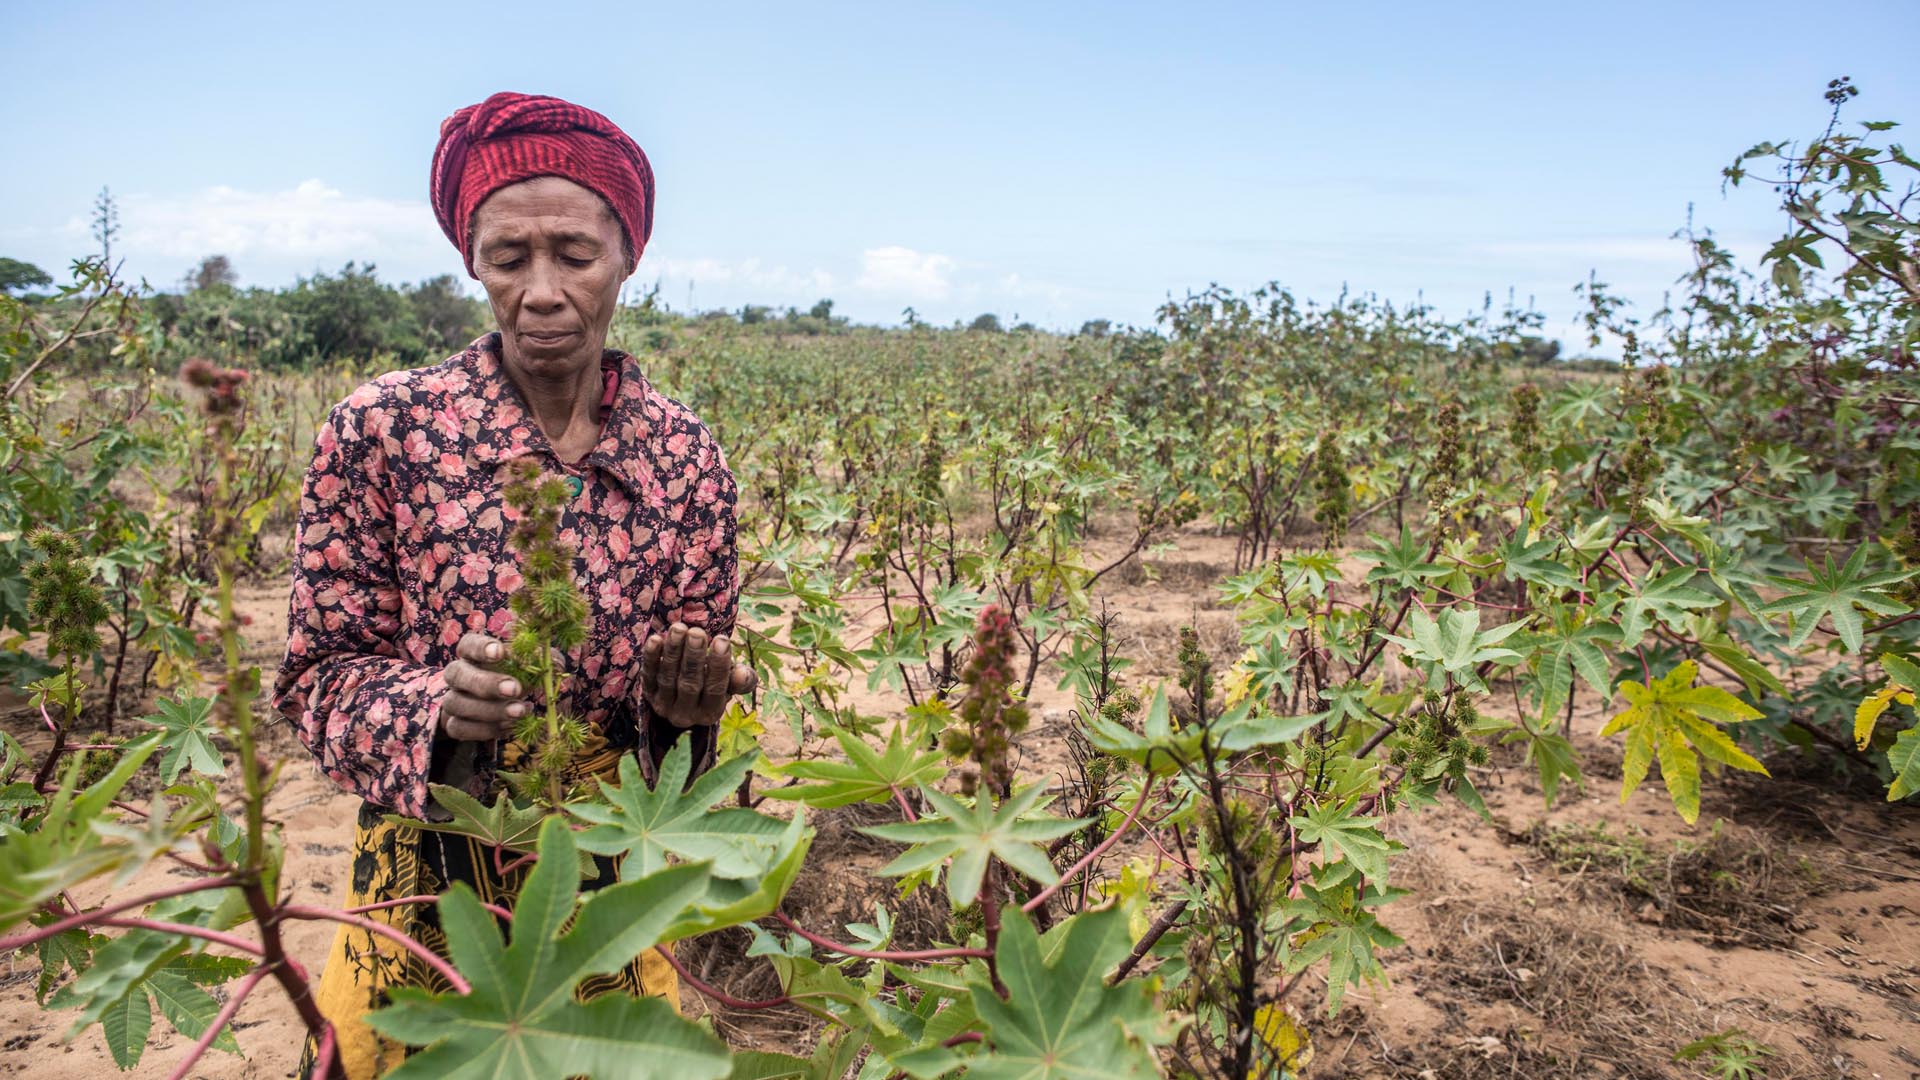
(1792, 911)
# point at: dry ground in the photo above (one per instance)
(1591, 940)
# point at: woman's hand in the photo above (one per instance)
(687, 676)
(481, 704)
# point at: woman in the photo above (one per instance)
(402, 570)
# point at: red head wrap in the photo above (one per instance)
(513, 137)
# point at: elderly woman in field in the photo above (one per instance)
(402, 571)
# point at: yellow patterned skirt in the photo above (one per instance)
(395, 861)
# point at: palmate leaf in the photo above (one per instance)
(1572, 642)
(1060, 1020)
(649, 824)
(1533, 563)
(186, 726)
(1834, 592)
(68, 847)
(521, 1022)
(1357, 839)
(891, 654)
(1340, 928)
(866, 775)
(970, 834)
(1674, 720)
(1402, 564)
(1667, 598)
(1454, 644)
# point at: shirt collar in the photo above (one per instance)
(499, 426)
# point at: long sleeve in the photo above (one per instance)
(703, 587)
(364, 710)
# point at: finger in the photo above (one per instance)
(693, 665)
(742, 680)
(481, 683)
(480, 649)
(655, 687)
(468, 730)
(713, 691)
(672, 651)
(495, 711)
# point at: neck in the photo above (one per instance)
(565, 404)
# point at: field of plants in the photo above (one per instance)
(1287, 689)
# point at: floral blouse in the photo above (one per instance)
(401, 549)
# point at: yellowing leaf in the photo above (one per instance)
(1285, 1038)
(1674, 720)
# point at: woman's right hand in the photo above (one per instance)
(482, 705)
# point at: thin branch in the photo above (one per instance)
(220, 1021)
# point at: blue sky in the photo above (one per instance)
(1048, 161)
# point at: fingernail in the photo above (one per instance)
(516, 710)
(509, 688)
(493, 652)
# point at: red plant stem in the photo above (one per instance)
(494, 909)
(871, 954)
(220, 1020)
(21, 941)
(1099, 849)
(420, 952)
(516, 864)
(217, 937)
(964, 1037)
(715, 992)
(323, 1062)
(905, 807)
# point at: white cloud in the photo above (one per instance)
(748, 273)
(904, 272)
(311, 224)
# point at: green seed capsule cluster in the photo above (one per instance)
(549, 617)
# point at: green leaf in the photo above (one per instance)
(505, 824)
(125, 1025)
(1403, 564)
(1835, 593)
(865, 775)
(1342, 931)
(649, 824)
(73, 842)
(1358, 839)
(1667, 598)
(1534, 563)
(186, 726)
(1060, 1020)
(1158, 746)
(891, 654)
(1454, 645)
(1573, 641)
(1672, 719)
(188, 1008)
(969, 835)
(1904, 757)
(520, 1020)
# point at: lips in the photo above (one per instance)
(547, 337)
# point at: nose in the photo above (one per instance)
(543, 286)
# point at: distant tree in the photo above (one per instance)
(106, 223)
(17, 276)
(1024, 327)
(755, 313)
(988, 322)
(1096, 327)
(214, 271)
(447, 318)
(822, 309)
(910, 317)
(350, 314)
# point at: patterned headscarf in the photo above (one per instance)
(513, 137)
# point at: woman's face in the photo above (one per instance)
(550, 256)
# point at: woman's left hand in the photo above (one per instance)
(687, 676)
